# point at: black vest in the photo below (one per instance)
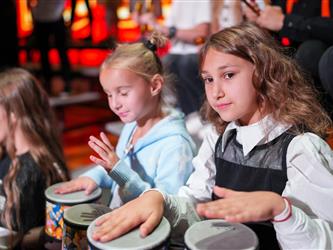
(262, 169)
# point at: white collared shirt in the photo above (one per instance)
(309, 185)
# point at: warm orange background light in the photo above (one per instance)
(127, 31)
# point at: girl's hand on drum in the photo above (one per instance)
(242, 206)
(81, 183)
(146, 210)
(108, 157)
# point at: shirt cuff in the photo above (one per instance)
(120, 173)
(285, 214)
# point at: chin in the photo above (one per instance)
(228, 118)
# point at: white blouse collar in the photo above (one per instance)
(255, 134)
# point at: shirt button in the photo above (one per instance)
(290, 24)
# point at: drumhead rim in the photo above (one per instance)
(151, 246)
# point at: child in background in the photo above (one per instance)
(266, 152)
(154, 149)
(31, 153)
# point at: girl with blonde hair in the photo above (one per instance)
(154, 149)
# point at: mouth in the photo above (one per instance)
(122, 114)
(223, 106)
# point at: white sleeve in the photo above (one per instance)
(310, 189)
(201, 182)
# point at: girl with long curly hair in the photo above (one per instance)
(264, 163)
(32, 158)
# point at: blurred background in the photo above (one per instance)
(92, 28)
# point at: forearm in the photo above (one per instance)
(181, 214)
(130, 183)
(185, 35)
(100, 176)
(302, 232)
(190, 35)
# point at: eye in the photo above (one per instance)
(207, 79)
(108, 95)
(123, 93)
(228, 75)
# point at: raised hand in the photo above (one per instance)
(146, 210)
(81, 183)
(242, 206)
(271, 18)
(251, 12)
(103, 147)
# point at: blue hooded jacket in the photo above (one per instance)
(160, 159)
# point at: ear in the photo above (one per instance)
(156, 84)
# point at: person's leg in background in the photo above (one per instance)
(42, 33)
(170, 64)
(326, 74)
(188, 85)
(61, 45)
(90, 15)
(308, 56)
(191, 88)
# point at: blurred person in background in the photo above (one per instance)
(49, 26)
(307, 26)
(9, 42)
(187, 26)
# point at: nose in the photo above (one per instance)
(114, 103)
(217, 90)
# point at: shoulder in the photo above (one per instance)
(309, 143)
(310, 150)
(29, 169)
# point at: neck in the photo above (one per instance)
(21, 143)
(145, 124)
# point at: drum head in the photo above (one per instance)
(83, 214)
(218, 234)
(133, 240)
(71, 198)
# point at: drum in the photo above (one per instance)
(56, 204)
(219, 234)
(132, 240)
(77, 219)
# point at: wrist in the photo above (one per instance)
(154, 192)
(285, 213)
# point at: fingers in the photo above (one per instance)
(68, 187)
(106, 141)
(113, 225)
(98, 161)
(103, 219)
(148, 226)
(90, 188)
(219, 191)
(221, 209)
(104, 149)
(225, 192)
(98, 146)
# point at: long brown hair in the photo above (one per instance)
(21, 95)
(278, 80)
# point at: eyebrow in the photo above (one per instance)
(118, 88)
(221, 68)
